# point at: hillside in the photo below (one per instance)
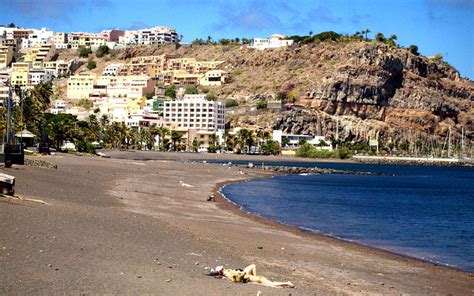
(369, 88)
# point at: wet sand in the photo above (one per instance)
(139, 223)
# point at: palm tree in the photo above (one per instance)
(213, 139)
(42, 93)
(366, 31)
(162, 132)
(245, 139)
(176, 137)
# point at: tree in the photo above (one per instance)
(42, 93)
(366, 31)
(150, 95)
(102, 51)
(191, 90)
(195, 145)
(91, 65)
(209, 40)
(438, 57)
(170, 91)
(213, 140)
(162, 133)
(413, 49)
(245, 139)
(176, 137)
(224, 41)
(380, 37)
(245, 41)
(391, 40)
(270, 147)
(285, 142)
(12, 25)
(84, 51)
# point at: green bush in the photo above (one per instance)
(102, 51)
(191, 90)
(231, 103)
(262, 104)
(84, 51)
(170, 91)
(309, 151)
(344, 153)
(91, 65)
(87, 147)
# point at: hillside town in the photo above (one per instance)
(160, 91)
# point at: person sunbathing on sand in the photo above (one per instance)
(248, 275)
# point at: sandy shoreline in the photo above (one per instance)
(127, 225)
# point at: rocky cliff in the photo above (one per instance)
(366, 89)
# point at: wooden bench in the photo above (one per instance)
(7, 184)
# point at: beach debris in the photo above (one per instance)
(24, 199)
(185, 184)
(211, 198)
(259, 293)
(139, 276)
(100, 154)
(260, 247)
(168, 280)
(250, 165)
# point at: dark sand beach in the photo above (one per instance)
(139, 223)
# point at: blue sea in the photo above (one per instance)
(421, 212)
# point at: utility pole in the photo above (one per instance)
(449, 142)
(337, 131)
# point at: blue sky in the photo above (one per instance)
(436, 26)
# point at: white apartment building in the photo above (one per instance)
(294, 140)
(275, 41)
(116, 109)
(144, 120)
(111, 70)
(193, 112)
(60, 40)
(59, 67)
(38, 37)
(155, 35)
(37, 76)
(59, 107)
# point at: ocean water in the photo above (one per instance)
(422, 212)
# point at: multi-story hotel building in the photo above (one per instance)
(194, 112)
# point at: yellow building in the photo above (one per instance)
(213, 78)
(20, 73)
(134, 105)
(80, 86)
(6, 55)
(40, 54)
